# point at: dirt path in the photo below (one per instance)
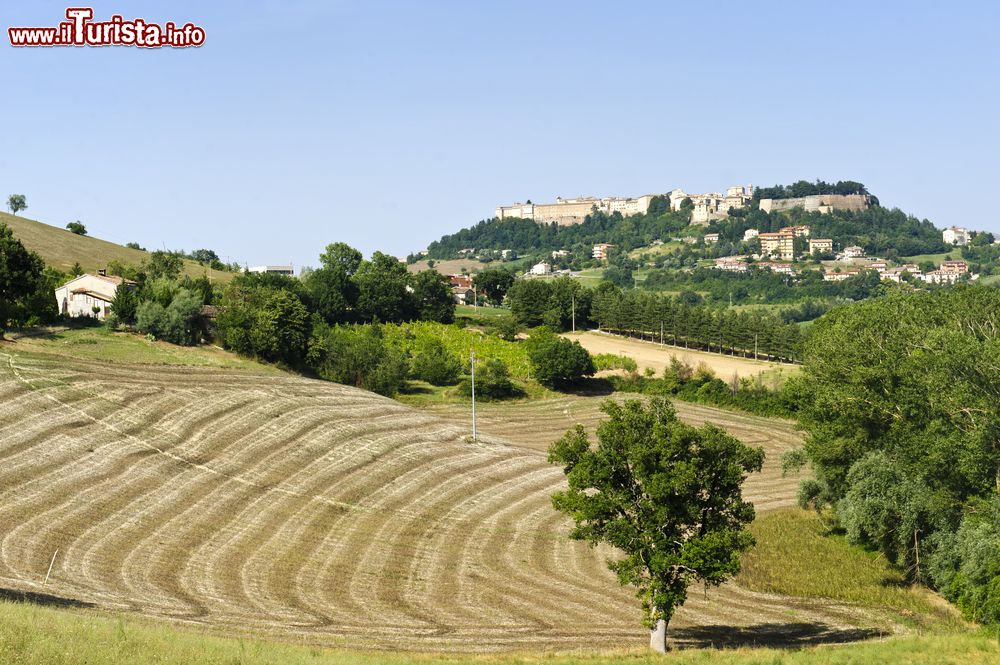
(308, 511)
(651, 354)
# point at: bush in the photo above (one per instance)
(492, 382)
(606, 361)
(179, 323)
(435, 365)
(505, 327)
(966, 565)
(358, 356)
(556, 361)
(125, 305)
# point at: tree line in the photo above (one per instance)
(899, 402)
(805, 188)
(663, 318)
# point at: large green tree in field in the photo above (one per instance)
(667, 495)
(20, 276)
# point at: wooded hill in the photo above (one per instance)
(881, 231)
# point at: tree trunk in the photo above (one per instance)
(658, 637)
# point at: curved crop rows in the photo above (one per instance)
(306, 510)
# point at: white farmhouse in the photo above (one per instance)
(955, 235)
(541, 269)
(89, 295)
(273, 270)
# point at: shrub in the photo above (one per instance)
(125, 305)
(606, 361)
(492, 382)
(434, 364)
(179, 323)
(966, 565)
(358, 356)
(506, 327)
(556, 361)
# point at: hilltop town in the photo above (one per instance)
(727, 241)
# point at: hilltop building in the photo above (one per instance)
(750, 234)
(853, 252)
(711, 238)
(90, 295)
(955, 235)
(713, 205)
(541, 269)
(822, 203)
(566, 212)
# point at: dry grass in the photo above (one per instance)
(652, 354)
(35, 635)
(277, 506)
(60, 249)
(453, 266)
(99, 343)
(798, 556)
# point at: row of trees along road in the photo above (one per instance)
(643, 314)
(899, 399)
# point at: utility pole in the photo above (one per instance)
(574, 312)
(661, 333)
(755, 346)
(472, 357)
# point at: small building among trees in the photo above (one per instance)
(89, 295)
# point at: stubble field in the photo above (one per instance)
(251, 503)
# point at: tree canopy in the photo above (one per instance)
(899, 397)
(667, 495)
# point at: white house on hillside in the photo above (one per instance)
(955, 235)
(89, 295)
(541, 269)
(273, 270)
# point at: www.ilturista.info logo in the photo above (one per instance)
(81, 30)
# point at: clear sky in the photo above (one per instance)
(387, 125)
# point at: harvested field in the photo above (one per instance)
(651, 354)
(284, 507)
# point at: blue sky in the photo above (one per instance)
(386, 125)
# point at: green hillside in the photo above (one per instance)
(61, 249)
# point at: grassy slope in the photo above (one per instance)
(99, 343)
(794, 557)
(34, 635)
(61, 249)
(936, 259)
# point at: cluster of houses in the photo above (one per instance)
(948, 273)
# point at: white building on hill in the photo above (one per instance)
(89, 295)
(273, 270)
(955, 235)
